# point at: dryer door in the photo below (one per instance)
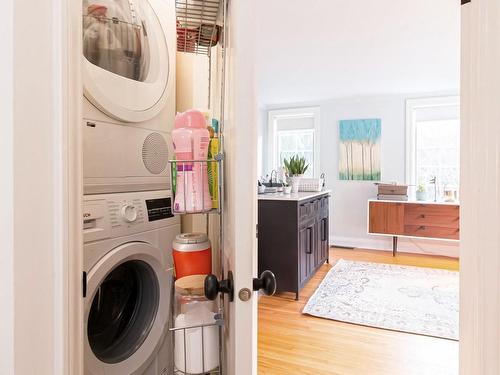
(126, 61)
(127, 310)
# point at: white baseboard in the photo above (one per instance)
(405, 245)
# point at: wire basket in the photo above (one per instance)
(197, 28)
(191, 357)
(189, 178)
(311, 184)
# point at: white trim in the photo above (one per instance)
(41, 187)
(7, 355)
(411, 106)
(275, 114)
(480, 189)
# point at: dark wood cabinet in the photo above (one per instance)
(293, 239)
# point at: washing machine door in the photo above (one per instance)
(126, 311)
(126, 63)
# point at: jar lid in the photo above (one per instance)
(190, 238)
(191, 285)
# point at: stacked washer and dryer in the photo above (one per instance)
(129, 108)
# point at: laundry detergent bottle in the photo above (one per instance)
(183, 149)
(191, 139)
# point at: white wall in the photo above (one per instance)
(321, 49)
(348, 212)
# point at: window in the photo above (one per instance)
(433, 142)
(294, 132)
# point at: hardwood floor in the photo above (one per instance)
(292, 343)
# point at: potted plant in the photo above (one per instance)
(296, 167)
(421, 193)
(287, 189)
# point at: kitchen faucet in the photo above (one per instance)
(433, 181)
(275, 176)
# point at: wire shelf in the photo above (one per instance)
(197, 29)
(189, 351)
(201, 172)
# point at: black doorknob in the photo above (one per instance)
(266, 283)
(213, 287)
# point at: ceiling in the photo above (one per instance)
(319, 49)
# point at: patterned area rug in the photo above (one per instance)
(401, 298)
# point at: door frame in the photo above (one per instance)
(40, 152)
(480, 190)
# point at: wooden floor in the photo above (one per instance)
(292, 343)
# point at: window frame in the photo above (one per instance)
(412, 105)
(276, 114)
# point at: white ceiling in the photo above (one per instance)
(318, 49)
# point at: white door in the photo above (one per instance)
(480, 189)
(240, 213)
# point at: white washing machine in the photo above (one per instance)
(128, 283)
(129, 94)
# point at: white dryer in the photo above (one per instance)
(129, 94)
(128, 283)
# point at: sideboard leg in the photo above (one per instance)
(394, 245)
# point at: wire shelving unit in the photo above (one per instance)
(201, 25)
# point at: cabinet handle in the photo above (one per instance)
(323, 234)
(309, 245)
(422, 227)
(422, 216)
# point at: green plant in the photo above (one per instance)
(421, 188)
(296, 165)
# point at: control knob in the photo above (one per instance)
(128, 213)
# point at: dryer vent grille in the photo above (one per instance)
(155, 153)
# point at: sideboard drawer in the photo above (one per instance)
(432, 232)
(431, 220)
(433, 209)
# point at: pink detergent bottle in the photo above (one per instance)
(183, 149)
(201, 197)
(191, 139)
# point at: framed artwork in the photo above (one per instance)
(359, 153)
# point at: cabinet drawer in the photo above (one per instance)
(305, 210)
(432, 232)
(309, 209)
(432, 220)
(433, 209)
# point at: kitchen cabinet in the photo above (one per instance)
(293, 237)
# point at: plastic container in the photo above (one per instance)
(191, 140)
(192, 253)
(197, 348)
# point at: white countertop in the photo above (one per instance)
(412, 201)
(300, 196)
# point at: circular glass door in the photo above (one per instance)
(115, 37)
(123, 311)
(126, 59)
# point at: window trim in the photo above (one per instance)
(283, 113)
(412, 105)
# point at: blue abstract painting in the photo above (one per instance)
(359, 153)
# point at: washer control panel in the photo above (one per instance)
(116, 215)
(160, 208)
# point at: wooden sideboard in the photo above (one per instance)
(414, 219)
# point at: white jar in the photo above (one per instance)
(196, 349)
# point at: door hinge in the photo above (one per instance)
(84, 284)
(257, 230)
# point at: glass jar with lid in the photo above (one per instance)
(196, 333)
